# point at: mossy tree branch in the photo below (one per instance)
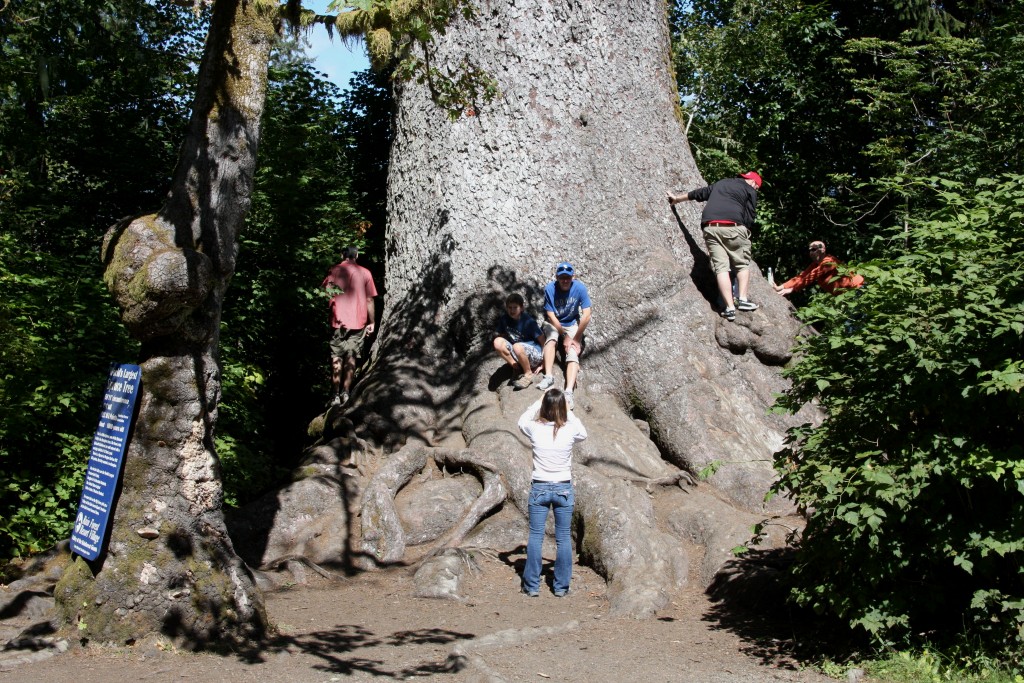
(399, 35)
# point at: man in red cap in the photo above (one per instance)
(726, 221)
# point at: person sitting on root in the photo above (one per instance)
(822, 272)
(553, 429)
(567, 310)
(519, 340)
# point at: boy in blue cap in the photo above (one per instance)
(567, 312)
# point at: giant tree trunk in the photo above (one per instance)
(170, 567)
(571, 162)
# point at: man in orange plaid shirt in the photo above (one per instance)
(822, 272)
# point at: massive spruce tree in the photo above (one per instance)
(569, 161)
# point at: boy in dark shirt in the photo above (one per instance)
(519, 340)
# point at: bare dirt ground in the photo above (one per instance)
(370, 627)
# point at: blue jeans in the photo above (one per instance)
(561, 499)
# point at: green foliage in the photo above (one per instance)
(931, 666)
(58, 333)
(944, 106)
(399, 38)
(319, 187)
(914, 477)
(839, 102)
(94, 102)
(757, 91)
(927, 665)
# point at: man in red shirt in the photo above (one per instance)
(352, 317)
(822, 272)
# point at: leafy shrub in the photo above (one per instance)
(915, 479)
(58, 334)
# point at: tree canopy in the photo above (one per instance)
(840, 104)
(91, 115)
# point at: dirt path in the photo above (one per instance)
(369, 627)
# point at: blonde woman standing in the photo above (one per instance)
(553, 430)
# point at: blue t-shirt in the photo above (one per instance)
(525, 329)
(566, 305)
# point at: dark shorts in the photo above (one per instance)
(348, 343)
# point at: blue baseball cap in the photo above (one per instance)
(564, 268)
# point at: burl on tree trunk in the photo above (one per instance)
(170, 567)
(571, 162)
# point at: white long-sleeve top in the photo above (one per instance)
(552, 455)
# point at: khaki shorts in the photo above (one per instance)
(348, 343)
(551, 334)
(729, 247)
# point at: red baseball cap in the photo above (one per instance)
(752, 175)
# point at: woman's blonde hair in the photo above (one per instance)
(553, 409)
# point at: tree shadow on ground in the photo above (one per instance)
(750, 599)
(338, 650)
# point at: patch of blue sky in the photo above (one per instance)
(338, 60)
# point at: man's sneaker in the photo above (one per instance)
(729, 314)
(561, 594)
(344, 397)
(335, 401)
(744, 305)
(531, 594)
(569, 401)
(523, 382)
(546, 383)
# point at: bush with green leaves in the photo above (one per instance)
(914, 481)
(839, 104)
(58, 334)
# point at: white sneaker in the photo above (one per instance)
(546, 383)
(745, 305)
(569, 401)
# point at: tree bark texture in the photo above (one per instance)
(170, 567)
(571, 162)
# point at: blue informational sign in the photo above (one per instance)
(108, 446)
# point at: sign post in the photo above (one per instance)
(105, 458)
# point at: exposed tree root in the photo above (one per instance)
(494, 493)
(672, 480)
(283, 562)
(621, 541)
(466, 654)
(383, 536)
